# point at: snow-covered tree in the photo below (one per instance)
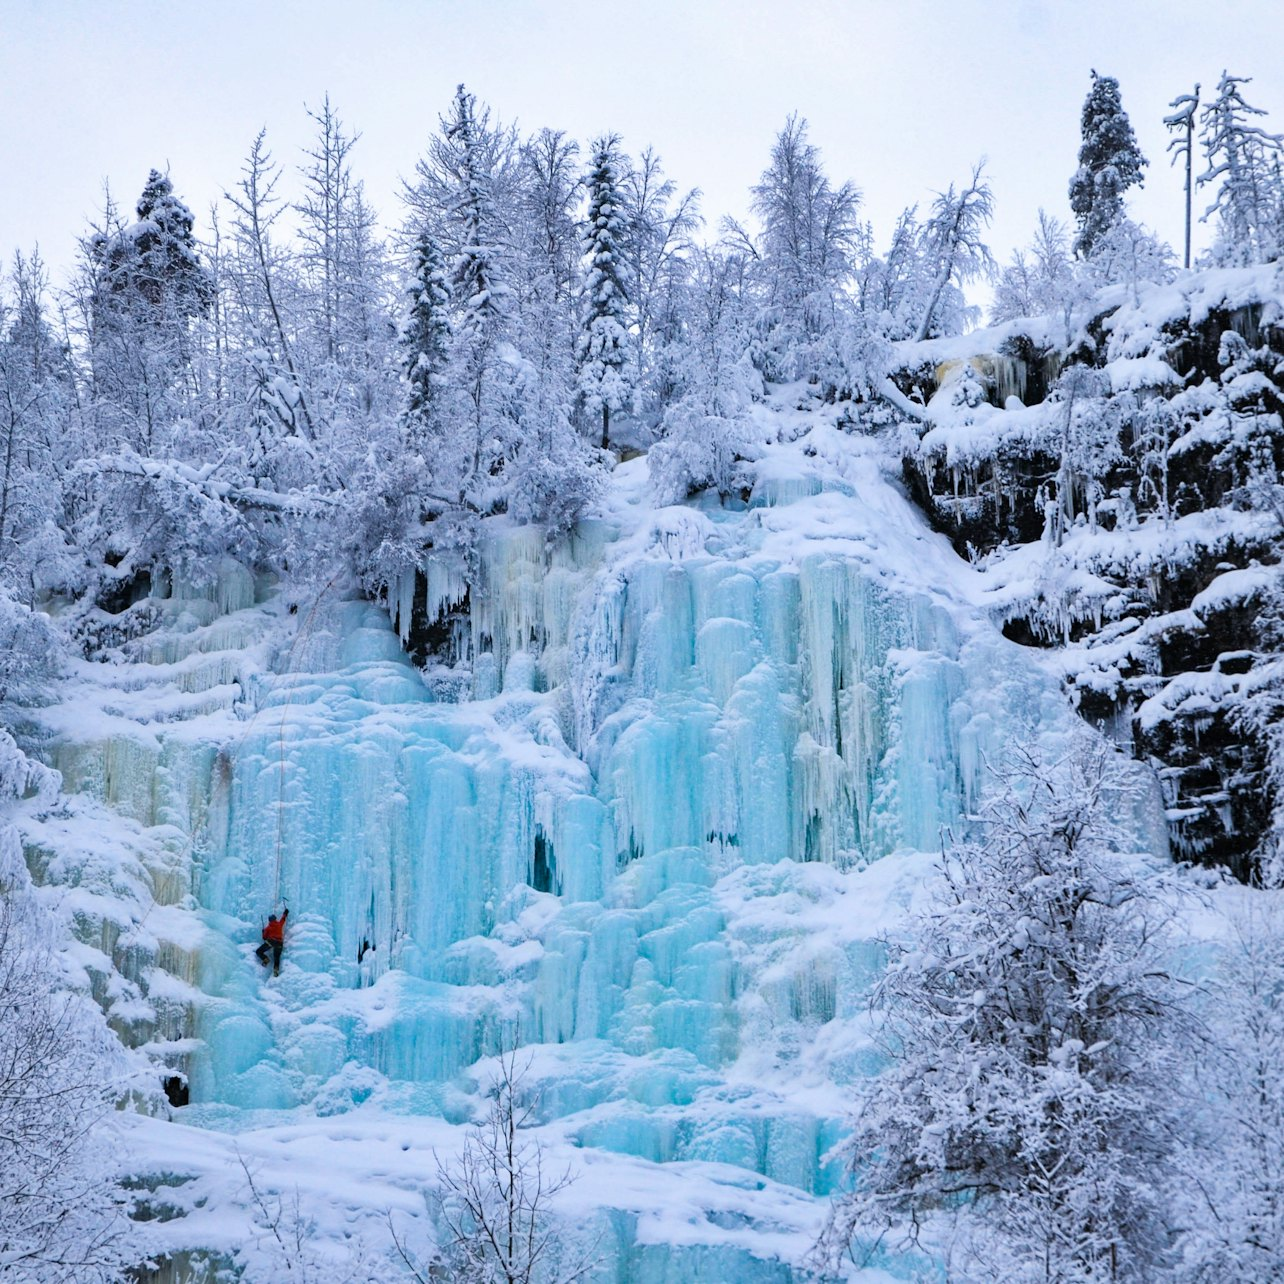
(361, 385)
(456, 200)
(344, 300)
(1017, 289)
(37, 396)
(463, 156)
(152, 268)
(1252, 453)
(425, 334)
(494, 1200)
(660, 240)
(61, 1208)
(553, 472)
(146, 286)
(549, 187)
(323, 210)
(556, 474)
(1089, 425)
(604, 352)
(1244, 159)
(1233, 1187)
(1261, 716)
(1155, 426)
(810, 240)
(890, 288)
(152, 415)
(1028, 1021)
(705, 431)
(953, 246)
(1130, 254)
(1041, 279)
(262, 282)
(1110, 162)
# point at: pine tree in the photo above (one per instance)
(425, 336)
(464, 152)
(152, 268)
(456, 198)
(1110, 162)
(604, 339)
(146, 287)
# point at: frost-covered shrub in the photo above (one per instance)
(61, 1209)
(699, 450)
(1031, 1032)
(1232, 1197)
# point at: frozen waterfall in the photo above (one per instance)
(706, 755)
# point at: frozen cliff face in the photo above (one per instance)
(670, 701)
(136, 739)
(708, 755)
(1128, 515)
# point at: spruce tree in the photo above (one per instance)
(1110, 162)
(147, 286)
(465, 154)
(152, 268)
(425, 337)
(604, 339)
(36, 393)
(464, 160)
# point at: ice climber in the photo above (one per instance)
(273, 940)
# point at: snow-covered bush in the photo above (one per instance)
(494, 1201)
(1233, 1186)
(1029, 1023)
(699, 449)
(62, 1213)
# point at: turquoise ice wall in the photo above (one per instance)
(661, 703)
(696, 762)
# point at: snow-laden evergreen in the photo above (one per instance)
(604, 341)
(1110, 162)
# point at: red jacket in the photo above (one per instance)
(275, 929)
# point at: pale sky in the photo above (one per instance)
(902, 95)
